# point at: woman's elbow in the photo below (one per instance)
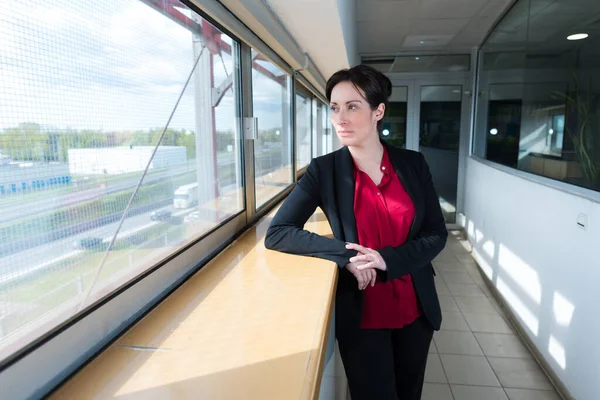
(273, 238)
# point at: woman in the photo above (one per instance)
(388, 226)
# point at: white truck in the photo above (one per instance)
(186, 196)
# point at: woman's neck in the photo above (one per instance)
(368, 153)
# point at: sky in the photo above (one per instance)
(109, 65)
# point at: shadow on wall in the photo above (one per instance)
(554, 321)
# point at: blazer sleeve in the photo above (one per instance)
(428, 243)
(286, 232)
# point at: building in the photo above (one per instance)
(29, 176)
(124, 159)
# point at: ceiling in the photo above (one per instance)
(331, 31)
(390, 27)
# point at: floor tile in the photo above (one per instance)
(487, 323)
(468, 370)
(432, 348)
(434, 373)
(455, 342)
(445, 266)
(466, 258)
(454, 321)
(478, 393)
(436, 391)
(466, 290)
(520, 373)
(447, 303)
(528, 394)
(478, 279)
(441, 287)
(502, 345)
(446, 255)
(457, 277)
(495, 303)
(476, 305)
(472, 269)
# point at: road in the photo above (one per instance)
(45, 254)
(40, 257)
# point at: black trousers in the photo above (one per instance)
(387, 364)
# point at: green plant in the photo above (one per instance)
(583, 128)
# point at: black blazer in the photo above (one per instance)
(329, 184)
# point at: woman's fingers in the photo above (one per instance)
(360, 277)
(367, 267)
(361, 258)
(366, 278)
(374, 277)
(357, 247)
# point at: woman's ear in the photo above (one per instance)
(380, 112)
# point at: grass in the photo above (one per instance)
(44, 292)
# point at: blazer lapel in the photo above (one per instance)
(401, 168)
(344, 185)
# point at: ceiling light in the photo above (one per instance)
(422, 42)
(386, 132)
(577, 36)
(494, 131)
(417, 58)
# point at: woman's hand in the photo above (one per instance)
(369, 259)
(364, 278)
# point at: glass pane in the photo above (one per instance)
(303, 131)
(525, 123)
(394, 122)
(322, 129)
(439, 137)
(538, 106)
(272, 149)
(99, 183)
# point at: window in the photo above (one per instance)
(110, 163)
(538, 105)
(303, 130)
(272, 148)
(323, 129)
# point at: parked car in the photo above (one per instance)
(88, 243)
(162, 215)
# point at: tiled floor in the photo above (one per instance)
(476, 355)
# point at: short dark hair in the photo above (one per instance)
(376, 86)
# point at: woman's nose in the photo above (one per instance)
(341, 118)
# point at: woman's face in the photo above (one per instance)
(354, 121)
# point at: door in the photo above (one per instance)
(439, 128)
(430, 116)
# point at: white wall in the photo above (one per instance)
(526, 239)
